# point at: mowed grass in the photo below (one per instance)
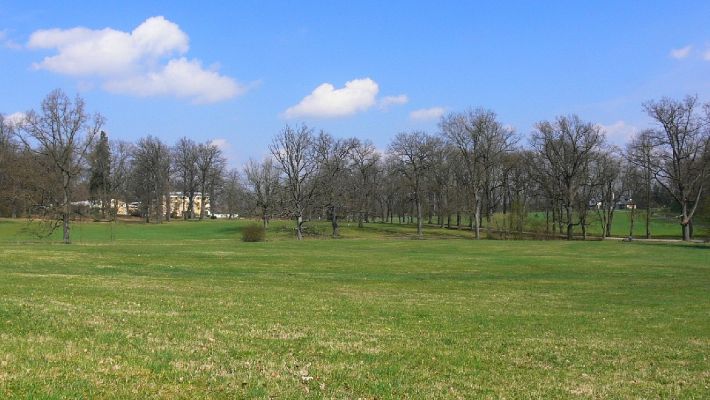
(187, 310)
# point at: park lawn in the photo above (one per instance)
(186, 310)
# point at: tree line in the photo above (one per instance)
(475, 173)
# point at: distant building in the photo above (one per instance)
(179, 205)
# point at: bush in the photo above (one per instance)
(254, 233)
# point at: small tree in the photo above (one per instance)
(61, 132)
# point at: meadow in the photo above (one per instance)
(188, 310)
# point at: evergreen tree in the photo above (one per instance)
(100, 170)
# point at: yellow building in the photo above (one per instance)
(179, 205)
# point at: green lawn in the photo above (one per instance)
(187, 310)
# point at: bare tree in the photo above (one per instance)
(566, 148)
(640, 153)
(184, 158)
(482, 141)
(263, 184)
(209, 162)
(151, 176)
(414, 152)
(294, 151)
(62, 131)
(364, 160)
(610, 184)
(232, 193)
(683, 143)
(332, 156)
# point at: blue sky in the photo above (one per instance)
(239, 71)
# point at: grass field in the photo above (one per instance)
(187, 310)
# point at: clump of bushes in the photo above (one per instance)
(254, 233)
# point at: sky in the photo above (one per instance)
(237, 72)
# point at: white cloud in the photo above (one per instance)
(425, 114)
(132, 62)
(181, 78)
(222, 144)
(388, 101)
(682, 52)
(7, 42)
(706, 55)
(327, 102)
(15, 118)
(619, 132)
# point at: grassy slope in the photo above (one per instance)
(185, 310)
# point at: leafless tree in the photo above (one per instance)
(262, 179)
(683, 143)
(364, 160)
(566, 148)
(332, 156)
(151, 176)
(184, 159)
(482, 141)
(293, 149)
(232, 197)
(640, 153)
(61, 131)
(610, 187)
(209, 162)
(414, 152)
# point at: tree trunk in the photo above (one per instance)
(299, 227)
(168, 206)
(685, 222)
(419, 218)
(570, 225)
(632, 218)
(67, 211)
(334, 222)
(477, 218)
(686, 231)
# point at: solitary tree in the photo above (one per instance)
(683, 146)
(62, 132)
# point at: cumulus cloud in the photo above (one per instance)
(425, 114)
(619, 132)
(133, 62)
(682, 52)
(327, 102)
(180, 78)
(388, 101)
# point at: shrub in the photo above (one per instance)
(254, 233)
